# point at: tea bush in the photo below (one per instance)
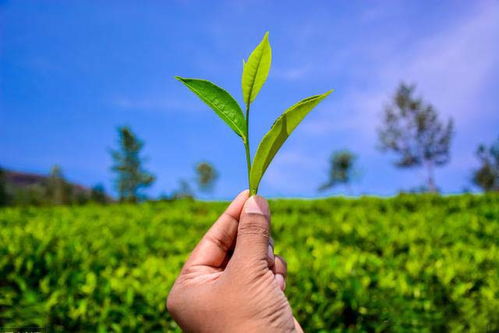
(411, 263)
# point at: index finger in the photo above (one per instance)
(213, 247)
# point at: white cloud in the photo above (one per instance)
(452, 69)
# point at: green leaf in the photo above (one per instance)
(220, 101)
(277, 135)
(256, 70)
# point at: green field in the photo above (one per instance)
(414, 263)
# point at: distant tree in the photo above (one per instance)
(59, 192)
(487, 176)
(164, 197)
(80, 198)
(340, 169)
(206, 176)
(411, 128)
(131, 176)
(184, 191)
(33, 195)
(4, 198)
(98, 194)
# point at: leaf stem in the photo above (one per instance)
(247, 148)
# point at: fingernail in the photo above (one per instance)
(280, 281)
(257, 205)
(270, 254)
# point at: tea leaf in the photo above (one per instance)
(220, 101)
(256, 70)
(277, 135)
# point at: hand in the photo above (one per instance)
(232, 281)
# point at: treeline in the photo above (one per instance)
(410, 129)
(131, 178)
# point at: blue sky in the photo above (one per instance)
(72, 71)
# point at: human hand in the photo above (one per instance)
(232, 281)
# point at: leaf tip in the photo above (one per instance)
(265, 39)
(327, 93)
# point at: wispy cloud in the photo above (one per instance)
(154, 104)
(453, 69)
(282, 172)
(291, 74)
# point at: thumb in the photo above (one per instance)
(253, 233)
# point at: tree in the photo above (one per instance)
(412, 129)
(4, 197)
(59, 192)
(131, 176)
(340, 170)
(206, 175)
(184, 191)
(98, 194)
(487, 176)
(32, 195)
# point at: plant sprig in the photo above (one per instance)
(255, 72)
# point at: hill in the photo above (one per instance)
(17, 179)
(22, 188)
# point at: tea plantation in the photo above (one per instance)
(414, 263)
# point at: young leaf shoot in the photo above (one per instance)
(255, 72)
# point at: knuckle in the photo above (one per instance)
(230, 217)
(257, 225)
(222, 240)
(221, 237)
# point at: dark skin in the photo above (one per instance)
(232, 281)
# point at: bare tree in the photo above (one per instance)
(412, 129)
